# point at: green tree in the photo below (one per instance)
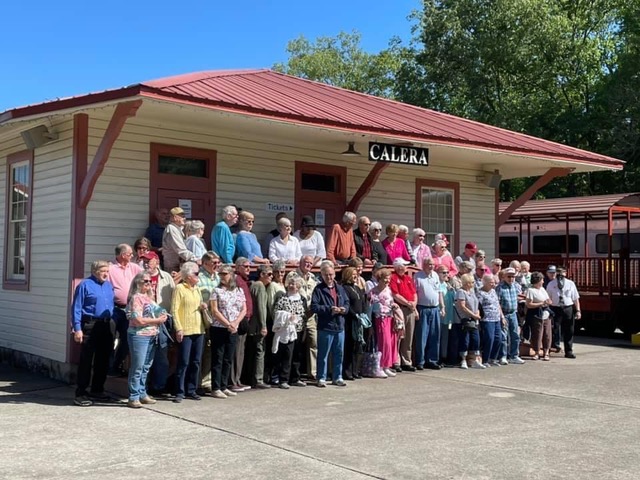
(340, 61)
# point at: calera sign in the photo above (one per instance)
(385, 152)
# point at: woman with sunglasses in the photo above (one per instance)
(228, 307)
(145, 316)
(246, 241)
(376, 242)
(448, 289)
(140, 247)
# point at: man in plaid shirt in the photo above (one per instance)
(508, 291)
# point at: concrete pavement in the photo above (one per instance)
(560, 419)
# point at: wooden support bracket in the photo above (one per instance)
(366, 186)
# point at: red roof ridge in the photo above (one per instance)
(186, 78)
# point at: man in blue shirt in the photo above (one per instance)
(155, 231)
(92, 311)
(508, 292)
(221, 237)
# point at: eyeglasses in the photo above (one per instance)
(146, 281)
(377, 229)
(279, 272)
(144, 249)
(249, 221)
(444, 273)
(366, 224)
(269, 274)
(223, 273)
(246, 266)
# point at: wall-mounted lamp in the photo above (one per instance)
(351, 151)
(491, 180)
(38, 136)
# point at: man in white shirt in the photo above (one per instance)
(565, 304)
(430, 308)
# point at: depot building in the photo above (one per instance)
(82, 174)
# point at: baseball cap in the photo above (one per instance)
(551, 269)
(509, 271)
(176, 211)
(150, 256)
(471, 246)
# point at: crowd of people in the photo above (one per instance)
(191, 321)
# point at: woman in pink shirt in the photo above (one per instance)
(394, 246)
(442, 257)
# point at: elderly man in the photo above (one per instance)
(174, 249)
(430, 308)
(243, 269)
(309, 282)
(121, 273)
(221, 237)
(257, 329)
(208, 279)
(469, 254)
(91, 325)
(364, 245)
(155, 231)
(508, 291)
(404, 294)
(340, 245)
(565, 304)
(162, 285)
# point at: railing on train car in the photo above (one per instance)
(594, 274)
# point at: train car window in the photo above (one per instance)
(555, 244)
(617, 240)
(509, 245)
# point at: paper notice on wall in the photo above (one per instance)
(185, 204)
(320, 217)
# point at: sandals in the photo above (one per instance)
(546, 358)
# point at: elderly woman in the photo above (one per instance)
(288, 323)
(394, 246)
(480, 258)
(140, 247)
(491, 323)
(418, 249)
(330, 303)
(441, 256)
(539, 316)
(145, 316)
(382, 307)
(275, 290)
(228, 308)
(194, 230)
(373, 281)
(311, 241)
(186, 306)
(285, 246)
(375, 230)
(403, 234)
(465, 322)
(356, 334)
(358, 264)
(448, 289)
(246, 242)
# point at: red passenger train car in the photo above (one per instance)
(597, 238)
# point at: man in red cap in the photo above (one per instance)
(470, 250)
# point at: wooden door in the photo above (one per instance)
(187, 175)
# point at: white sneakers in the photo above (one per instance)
(464, 365)
(516, 361)
(477, 364)
(503, 361)
(389, 372)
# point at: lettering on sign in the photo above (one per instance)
(385, 152)
(278, 207)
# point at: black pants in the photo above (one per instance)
(223, 349)
(564, 318)
(97, 344)
(289, 359)
(122, 325)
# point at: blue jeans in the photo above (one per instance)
(468, 340)
(160, 370)
(188, 370)
(427, 335)
(513, 335)
(330, 342)
(491, 340)
(142, 352)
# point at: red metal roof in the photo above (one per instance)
(592, 205)
(275, 95)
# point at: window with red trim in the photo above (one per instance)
(437, 209)
(18, 220)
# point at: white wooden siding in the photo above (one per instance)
(36, 321)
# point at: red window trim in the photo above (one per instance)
(10, 283)
(427, 183)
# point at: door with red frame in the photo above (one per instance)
(321, 192)
(187, 176)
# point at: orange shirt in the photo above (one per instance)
(340, 245)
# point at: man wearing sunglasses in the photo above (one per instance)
(257, 328)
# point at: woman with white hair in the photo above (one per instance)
(285, 246)
(287, 346)
(418, 249)
(491, 322)
(375, 229)
(442, 257)
(228, 307)
(394, 245)
(194, 230)
(186, 306)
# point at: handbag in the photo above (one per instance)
(468, 324)
(365, 320)
(371, 361)
(207, 318)
(398, 320)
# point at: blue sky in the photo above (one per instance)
(70, 47)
